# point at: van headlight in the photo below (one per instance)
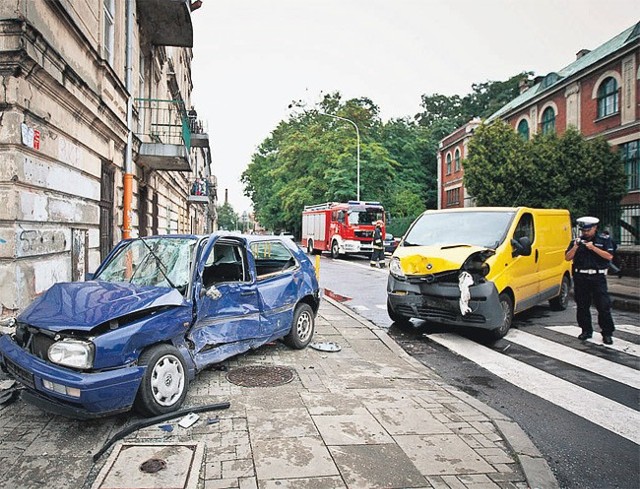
(395, 269)
(72, 353)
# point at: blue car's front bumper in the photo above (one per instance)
(101, 393)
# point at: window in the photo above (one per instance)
(225, 263)
(453, 197)
(548, 121)
(457, 159)
(272, 257)
(608, 97)
(525, 228)
(523, 129)
(448, 163)
(631, 159)
(109, 15)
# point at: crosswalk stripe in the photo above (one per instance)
(628, 328)
(618, 344)
(360, 308)
(382, 306)
(585, 361)
(593, 407)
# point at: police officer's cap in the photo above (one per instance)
(587, 222)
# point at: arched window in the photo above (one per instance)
(523, 129)
(548, 121)
(456, 157)
(448, 163)
(608, 97)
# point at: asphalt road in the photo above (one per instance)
(582, 453)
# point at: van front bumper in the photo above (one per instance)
(439, 302)
(101, 393)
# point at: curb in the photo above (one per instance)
(535, 468)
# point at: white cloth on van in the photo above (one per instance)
(465, 280)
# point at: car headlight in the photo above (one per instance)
(395, 268)
(72, 353)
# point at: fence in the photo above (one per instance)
(163, 121)
(622, 221)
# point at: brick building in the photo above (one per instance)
(598, 93)
(97, 137)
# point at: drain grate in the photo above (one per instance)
(260, 376)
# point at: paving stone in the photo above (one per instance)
(351, 429)
(237, 468)
(408, 420)
(280, 423)
(50, 471)
(361, 468)
(304, 483)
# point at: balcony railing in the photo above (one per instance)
(163, 129)
(202, 190)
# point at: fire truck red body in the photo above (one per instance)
(341, 228)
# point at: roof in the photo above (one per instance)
(551, 80)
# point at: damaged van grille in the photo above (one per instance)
(435, 314)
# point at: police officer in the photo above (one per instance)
(378, 246)
(591, 254)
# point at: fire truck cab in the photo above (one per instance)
(341, 228)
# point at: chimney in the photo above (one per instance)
(582, 52)
(226, 195)
(523, 85)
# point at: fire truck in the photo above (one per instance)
(341, 228)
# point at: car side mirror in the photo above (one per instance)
(521, 247)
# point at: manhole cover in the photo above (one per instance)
(325, 346)
(260, 376)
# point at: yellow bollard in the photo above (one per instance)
(318, 267)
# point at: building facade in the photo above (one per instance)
(598, 93)
(98, 139)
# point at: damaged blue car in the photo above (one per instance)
(157, 311)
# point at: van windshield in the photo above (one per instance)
(361, 215)
(478, 228)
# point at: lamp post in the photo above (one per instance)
(357, 147)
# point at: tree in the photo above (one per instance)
(227, 218)
(551, 171)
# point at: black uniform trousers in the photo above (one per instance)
(588, 288)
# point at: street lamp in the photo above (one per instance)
(357, 147)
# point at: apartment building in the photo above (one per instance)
(598, 93)
(98, 137)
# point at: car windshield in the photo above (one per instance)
(481, 228)
(158, 261)
(366, 216)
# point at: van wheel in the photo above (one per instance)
(302, 327)
(395, 317)
(561, 302)
(335, 249)
(164, 383)
(506, 303)
(310, 246)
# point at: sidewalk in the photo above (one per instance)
(624, 292)
(368, 416)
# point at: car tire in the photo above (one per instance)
(302, 327)
(335, 249)
(561, 302)
(506, 303)
(395, 317)
(164, 383)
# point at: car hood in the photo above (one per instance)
(423, 260)
(85, 305)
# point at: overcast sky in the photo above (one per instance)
(251, 58)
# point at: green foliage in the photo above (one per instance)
(227, 218)
(566, 172)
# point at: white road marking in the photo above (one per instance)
(360, 308)
(618, 344)
(628, 328)
(360, 265)
(593, 407)
(585, 361)
(382, 306)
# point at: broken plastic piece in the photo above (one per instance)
(213, 420)
(325, 346)
(188, 420)
(465, 280)
(166, 427)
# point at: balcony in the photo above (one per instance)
(163, 129)
(166, 22)
(203, 190)
(199, 136)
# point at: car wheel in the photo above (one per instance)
(395, 317)
(310, 246)
(561, 302)
(335, 249)
(164, 383)
(302, 327)
(506, 304)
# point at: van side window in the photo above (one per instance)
(226, 263)
(525, 228)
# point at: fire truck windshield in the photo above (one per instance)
(366, 216)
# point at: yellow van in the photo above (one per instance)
(478, 266)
